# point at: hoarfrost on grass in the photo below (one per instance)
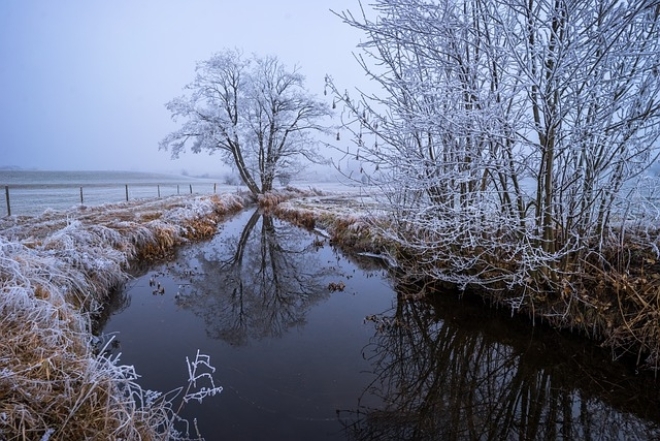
(47, 435)
(55, 270)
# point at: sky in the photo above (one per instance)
(84, 83)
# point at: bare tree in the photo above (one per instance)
(253, 111)
(510, 132)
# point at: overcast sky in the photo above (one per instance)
(83, 83)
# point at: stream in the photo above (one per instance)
(313, 344)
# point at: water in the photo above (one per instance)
(31, 192)
(299, 361)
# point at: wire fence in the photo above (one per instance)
(30, 200)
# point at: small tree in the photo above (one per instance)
(511, 133)
(253, 111)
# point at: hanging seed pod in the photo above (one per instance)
(337, 136)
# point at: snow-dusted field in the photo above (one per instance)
(31, 201)
(29, 196)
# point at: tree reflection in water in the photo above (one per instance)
(443, 370)
(255, 283)
(444, 374)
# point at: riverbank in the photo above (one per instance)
(617, 306)
(58, 269)
(56, 272)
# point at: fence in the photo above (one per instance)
(34, 199)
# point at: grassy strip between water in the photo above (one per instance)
(56, 272)
(618, 305)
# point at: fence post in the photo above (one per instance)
(214, 187)
(158, 191)
(7, 198)
(126, 192)
(190, 188)
(81, 196)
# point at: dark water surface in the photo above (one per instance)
(299, 361)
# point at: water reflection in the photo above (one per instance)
(419, 371)
(450, 372)
(255, 283)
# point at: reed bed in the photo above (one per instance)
(56, 271)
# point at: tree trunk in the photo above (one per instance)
(243, 171)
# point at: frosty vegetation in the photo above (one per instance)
(252, 111)
(511, 139)
(56, 271)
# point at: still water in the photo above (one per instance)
(311, 344)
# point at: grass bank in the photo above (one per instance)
(56, 272)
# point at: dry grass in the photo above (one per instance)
(55, 273)
(273, 198)
(354, 229)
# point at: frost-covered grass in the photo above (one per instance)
(353, 220)
(56, 271)
(617, 305)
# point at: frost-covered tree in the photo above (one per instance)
(253, 111)
(509, 132)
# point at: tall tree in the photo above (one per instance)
(253, 111)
